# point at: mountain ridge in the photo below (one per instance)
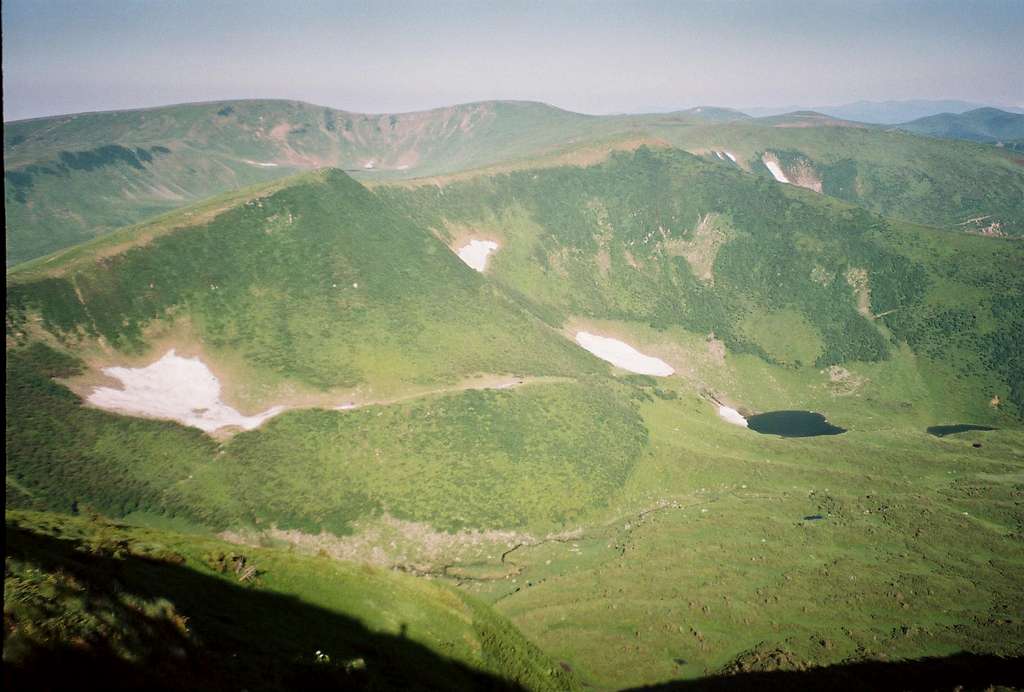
(988, 125)
(68, 179)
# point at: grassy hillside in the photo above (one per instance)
(953, 185)
(75, 177)
(980, 125)
(86, 599)
(317, 284)
(717, 560)
(666, 239)
(70, 178)
(615, 519)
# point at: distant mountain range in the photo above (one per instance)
(980, 125)
(75, 177)
(883, 112)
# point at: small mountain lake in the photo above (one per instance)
(943, 430)
(792, 424)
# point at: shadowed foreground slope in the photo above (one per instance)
(93, 605)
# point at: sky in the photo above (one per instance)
(62, 56)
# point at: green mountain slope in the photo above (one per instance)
(71, 178)
(88, 600)
(615, 519)
(318, 283)
(979, 125)
(942, 183)
(665, 239)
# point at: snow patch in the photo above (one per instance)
(368, 165)
(731, 157)
(404, 167)
(175, 388)
(623, 355)
(775, 169)
(475, 252)
(263, 164)
(731, 415)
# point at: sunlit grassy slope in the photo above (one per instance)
(74, 177)
(87, 600)
(615, 519)
(942, 183)
(799, 280)
(318, 283)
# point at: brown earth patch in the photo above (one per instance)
(409, 546)
(716, 349)
(858, 280)
(805, 176)
(843, 382)
(702, 249)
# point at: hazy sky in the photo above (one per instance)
(61, 56)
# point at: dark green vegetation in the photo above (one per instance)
(89, 604)
(939, 183)
(614, 519)
(989, 125)
(665, 239)
(319, 283)
(546, 456)
(943, 430)
(71, 178)
(792, 424)
(65, 455)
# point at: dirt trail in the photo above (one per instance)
(486, 382)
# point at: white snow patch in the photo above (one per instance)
(475, 252)
(731, 415)
(264, 164)
(175, 388)
(623, 355)
(776, 171)
(404, 167)
(719, 155)
(731, 157)
(368, 164)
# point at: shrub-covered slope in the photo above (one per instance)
(318, 283)
(666, 239)
(953, 185)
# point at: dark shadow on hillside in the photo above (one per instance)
(236, 637)
(962, 671)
